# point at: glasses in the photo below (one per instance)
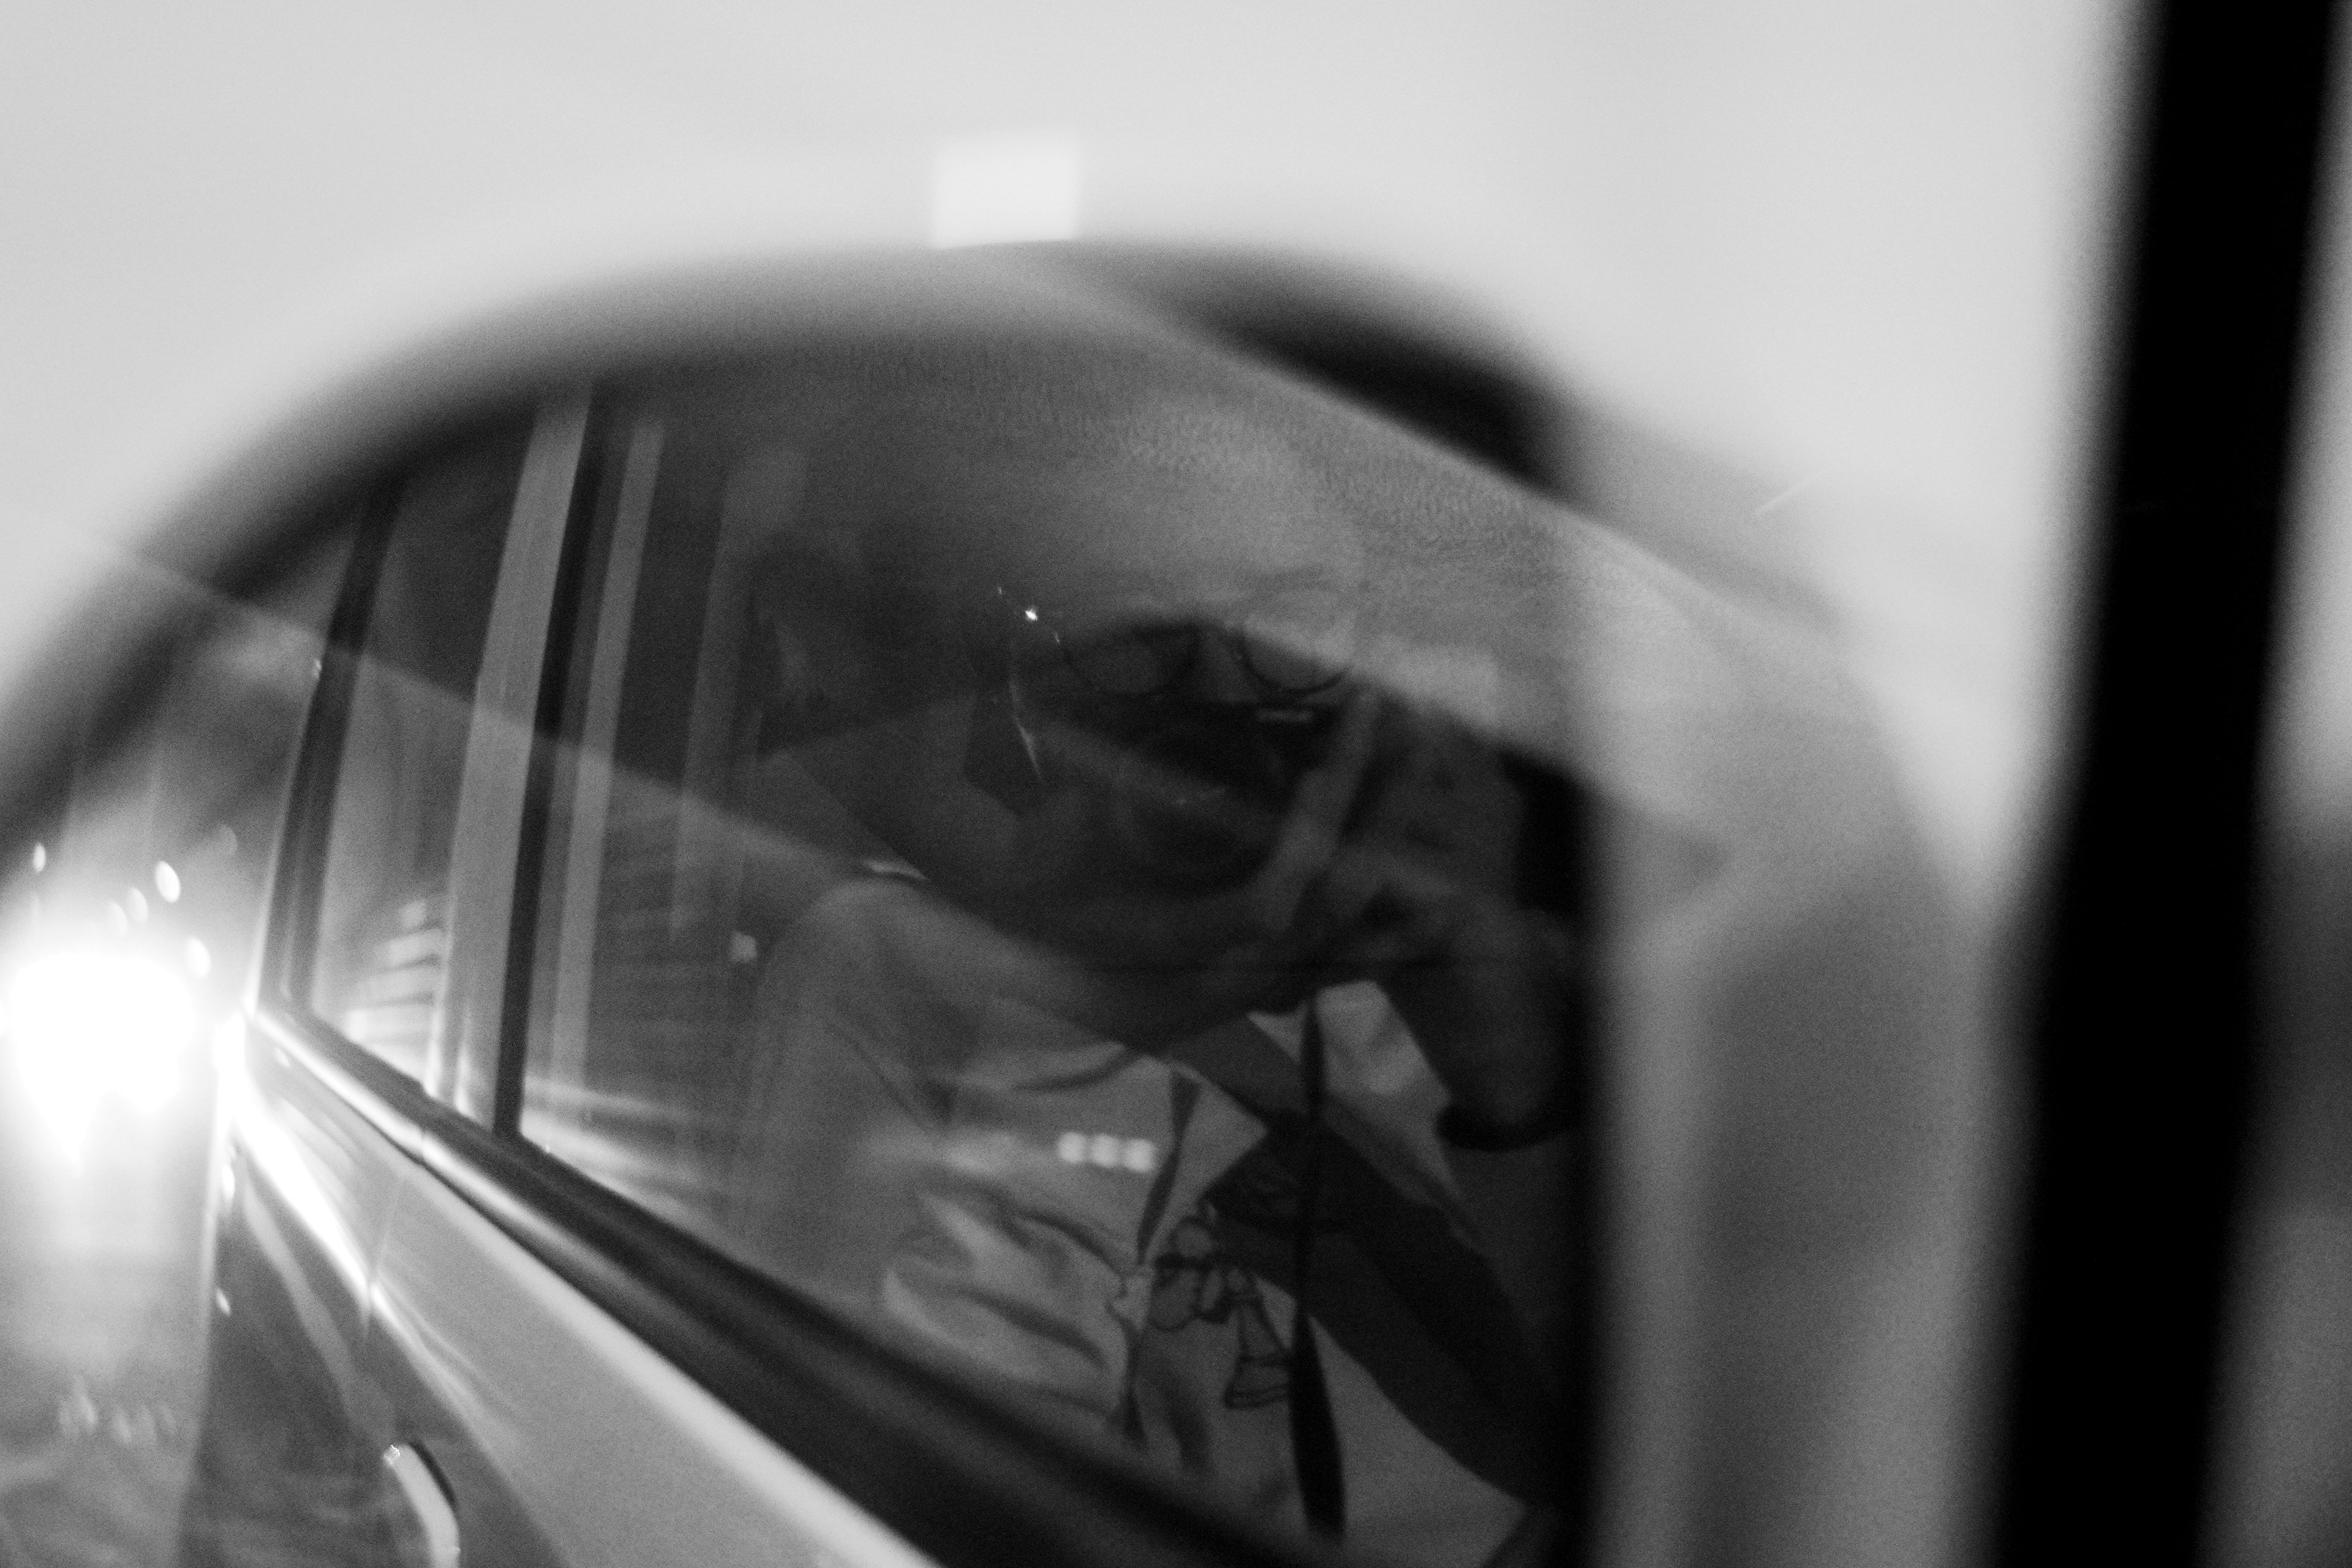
(1292, 642)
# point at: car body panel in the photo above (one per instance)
(566, 1437)
(283, 1468)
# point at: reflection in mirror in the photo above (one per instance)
(1015, 875)
(1132, 878)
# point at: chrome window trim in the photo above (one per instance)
(384, 1097)
(567, 1027)
(484, 849)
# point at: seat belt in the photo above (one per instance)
(1388, 1276)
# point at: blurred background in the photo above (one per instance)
(1855, 254)
(1824, 284)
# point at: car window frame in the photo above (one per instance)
(494, 807)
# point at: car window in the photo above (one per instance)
(1007, 877)
(415, 629)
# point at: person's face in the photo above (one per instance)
(1207, 534)
(1182, 517)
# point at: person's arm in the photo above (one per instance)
(1425, 893)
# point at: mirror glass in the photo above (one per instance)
(1146, 862)
(1057, 849)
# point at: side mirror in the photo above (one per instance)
(1579, 1000)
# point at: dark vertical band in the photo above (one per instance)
(2144, 1032)
(1314, 1430)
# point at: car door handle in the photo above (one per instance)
(431, 1516)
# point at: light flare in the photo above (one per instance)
(88, 1027)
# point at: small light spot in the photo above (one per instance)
(116, 920)
(220, 1300)
(1029, 614)
(134, 1429)
(1104, 1149)
(136, 903)
(77, 1412)
(41, 859)
(199, 958)
(167, 881)
(1141, 1156)
(743, 947)
(1071, 1148)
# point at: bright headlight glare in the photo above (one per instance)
(89, 1026)
(228, 1047)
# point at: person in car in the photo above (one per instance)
(1182, 997)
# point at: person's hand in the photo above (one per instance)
(1421, 898)
(1395, 862)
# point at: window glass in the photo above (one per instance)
(380, 967)
(1040, 857)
